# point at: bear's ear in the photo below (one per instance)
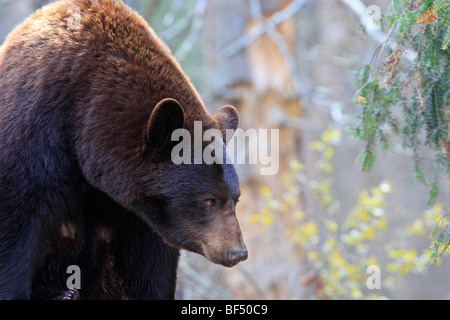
(228, 118)
(167, 116)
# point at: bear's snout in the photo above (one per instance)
(223, 244)
(234, 257)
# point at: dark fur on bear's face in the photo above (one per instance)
(201, 218)
(85, 119)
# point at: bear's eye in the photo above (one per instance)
(209, 203)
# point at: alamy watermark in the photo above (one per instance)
(373, 20)
(374, 280)
(74, 281)
(263, 148)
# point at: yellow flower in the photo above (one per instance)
(405, 268)
(316, 145)
(354, 276)
(371, 202)
(325, 167)
(331, 136)
(392, 267)
(265, 191)
(355, 293)
(364, 216)
(350, 269)
(409, 256)
(296, 166)
(299, 214)
(254, 218)
(396, 254)
(329, 153)
(332, 226)
(309, 230)
(434, 215)
(330, 245)
(417, 228)
(267, 220)
(368, 233)
(381, 224)
(264, 217)
(351, 238)
(336, 259)
(291, 199)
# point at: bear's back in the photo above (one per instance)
(89, 58)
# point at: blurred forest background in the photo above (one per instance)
(313, 229)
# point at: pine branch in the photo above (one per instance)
(361, 11)
(427, 17)
(421, 86)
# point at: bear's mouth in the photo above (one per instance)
(215, 253)
(226, 258)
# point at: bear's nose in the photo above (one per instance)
(234, 257)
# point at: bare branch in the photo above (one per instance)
(277, 38)
(194, 33)
(270, 28)
(203, 284)
(170, 16)
(283, 15)
(248, 276)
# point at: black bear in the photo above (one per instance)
(89, 98)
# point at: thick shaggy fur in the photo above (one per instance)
(85, 173)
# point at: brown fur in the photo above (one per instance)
(85, 119)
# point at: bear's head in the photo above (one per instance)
(192, 205)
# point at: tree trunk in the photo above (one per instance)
(259, 81)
